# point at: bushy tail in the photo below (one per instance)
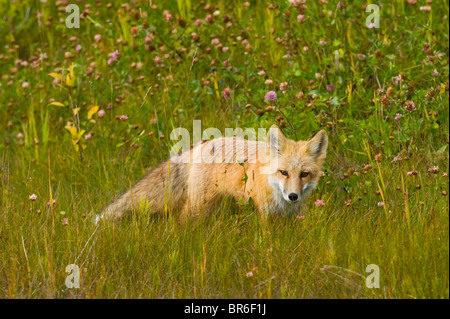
(164, 186)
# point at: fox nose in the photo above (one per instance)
(293, 197)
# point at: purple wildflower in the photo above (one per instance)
(271, 96)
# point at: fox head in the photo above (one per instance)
(296, 166)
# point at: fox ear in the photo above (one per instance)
(318, 144)
(276, 140)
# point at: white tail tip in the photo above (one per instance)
(98, 218)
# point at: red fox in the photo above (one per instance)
(278, 175)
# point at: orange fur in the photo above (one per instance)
(195, 187)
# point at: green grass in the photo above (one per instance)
(324, 255)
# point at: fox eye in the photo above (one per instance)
(283, 173)
(304, 174)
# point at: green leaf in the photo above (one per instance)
(441, 150)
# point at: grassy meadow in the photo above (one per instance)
(84, 112)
